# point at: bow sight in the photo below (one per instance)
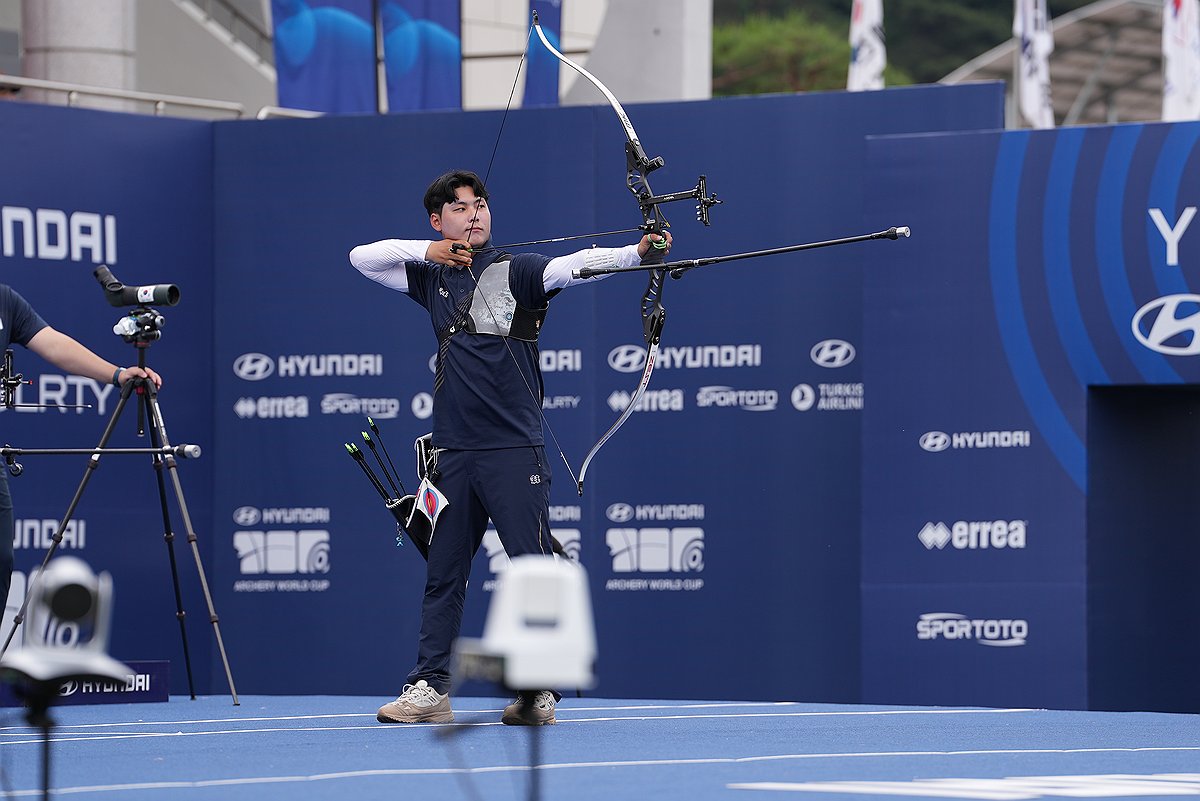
(639, 166)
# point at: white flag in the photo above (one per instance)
(1031, 27)
(1181, 59)
(868, 56)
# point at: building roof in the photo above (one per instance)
(1106, 66)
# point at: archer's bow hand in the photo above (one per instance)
(660, 242)
(444, 252)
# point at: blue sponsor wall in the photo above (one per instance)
(134, 193)
(721, 525)
(1049, 269)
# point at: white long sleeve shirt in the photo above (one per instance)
(383, 262)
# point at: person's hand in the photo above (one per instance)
(649, 240)
(130, 373)
(443, 252)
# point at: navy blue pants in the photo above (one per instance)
(512, 487)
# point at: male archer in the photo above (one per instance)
(487, 308)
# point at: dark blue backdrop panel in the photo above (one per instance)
(1043, 263)
(944, 505)
(731, 496)
(942, 371)
(149, 183)
(1142, 548)
(966, 644)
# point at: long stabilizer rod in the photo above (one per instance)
(678, 268)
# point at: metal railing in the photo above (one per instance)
(246, 30)
(273, 112)
(160, 102)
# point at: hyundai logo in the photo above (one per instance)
(620, 512)
(246, 516)
(253, 366)
(1169, 325)
(627, 358)
(832, 353)
(934, 441)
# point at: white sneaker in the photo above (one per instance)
(530, 709)
(419, 703)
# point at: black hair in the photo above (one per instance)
(441, 191)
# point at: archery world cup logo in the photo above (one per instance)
(656, 550)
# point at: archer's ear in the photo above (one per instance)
(435, 220)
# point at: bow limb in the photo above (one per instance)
(638, 167)
(652, 322)
(647, 164)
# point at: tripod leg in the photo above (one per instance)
(156, 423)
(169, 538)
(93, 463)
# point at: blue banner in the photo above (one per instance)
(423, 44)
(325, 54)
(542, 67)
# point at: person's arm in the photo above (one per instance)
(560, 272)
(67, 354)
(383, 261)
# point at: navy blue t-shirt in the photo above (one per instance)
(18, 321)
(486, 400)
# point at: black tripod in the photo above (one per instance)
(140, 328)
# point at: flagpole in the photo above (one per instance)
(381, 102)
(1011, 120)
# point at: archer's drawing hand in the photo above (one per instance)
(444, 252)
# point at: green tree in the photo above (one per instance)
(926, 39)
(789, 53)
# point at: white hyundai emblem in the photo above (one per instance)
(253, 366)
(627, 358)
(934, 441)
(832, 353)
(1173, 319)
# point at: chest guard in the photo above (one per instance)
(495, 311)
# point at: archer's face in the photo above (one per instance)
(468, 218)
